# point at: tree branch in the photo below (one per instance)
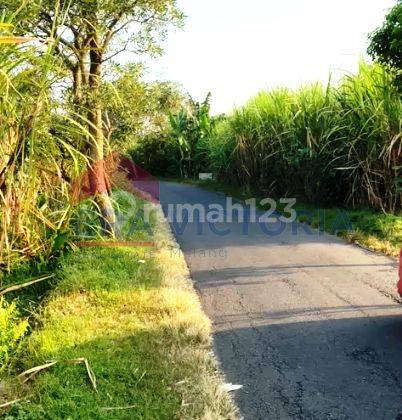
(117, 52)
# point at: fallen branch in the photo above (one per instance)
(20, 286)
(8, 403)
(91, 375)
(33, 371)
(30, 373)
(119, 408)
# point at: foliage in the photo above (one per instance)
(371, 115)
(12, 329)
(35, 165)
(89, 33)
(110, 26)
(85, 35)
(45, 144)
(178, 150)
(386, 42)
(158, 153)
(328, 145)
(138, 109)
(134, 315)
(192, 128)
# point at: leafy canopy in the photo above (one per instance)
(118, 25)
(137, 108)
(386, 42)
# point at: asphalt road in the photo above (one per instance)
(309, 325)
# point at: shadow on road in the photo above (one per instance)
(309, 325)
(330, 369)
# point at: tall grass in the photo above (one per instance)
(35, 165)
(326, 144)
(372, 111)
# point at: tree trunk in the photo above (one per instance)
(77, 83)
(97, 175)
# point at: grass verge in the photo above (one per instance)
(369, 229)
(135, 317)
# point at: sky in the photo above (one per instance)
(235, 48)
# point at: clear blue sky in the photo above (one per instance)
(234, 48)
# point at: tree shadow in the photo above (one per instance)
(242, 275)
(139, 369)
(335, 368)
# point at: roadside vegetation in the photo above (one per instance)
(134, 316)
(323, 144)
(121, 327)
(334, 146)
(365, 227)
(330, 147)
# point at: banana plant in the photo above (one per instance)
(190, 127)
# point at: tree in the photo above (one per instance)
(386, 42)
(88, 33)
(137, 108)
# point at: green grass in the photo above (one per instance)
(135, 316)
(373, 230)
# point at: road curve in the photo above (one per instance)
(309, 325)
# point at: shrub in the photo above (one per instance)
(12, 329)
(159, 154)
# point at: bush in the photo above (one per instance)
(181, 151)
(158, 154)
(12, 329)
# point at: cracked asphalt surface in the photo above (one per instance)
(309, 325)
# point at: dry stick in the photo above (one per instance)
(91, 375)
(29, 377)
(20, 286)
(33, 371)
(8, 403)
(119, 408)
